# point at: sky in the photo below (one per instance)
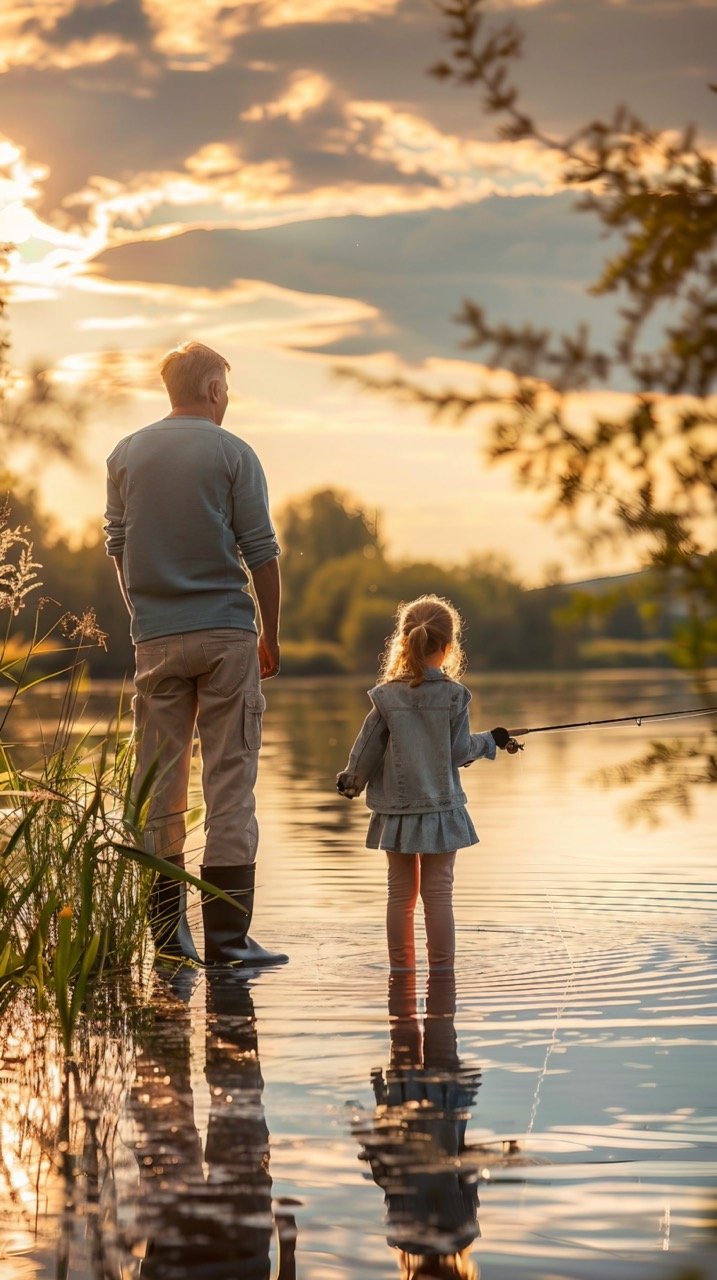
(283, 180)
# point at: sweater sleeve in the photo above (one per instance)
(251, 520)
(114, 515)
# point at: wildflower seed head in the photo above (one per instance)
(84, 629)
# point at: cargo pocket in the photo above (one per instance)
(254, 707)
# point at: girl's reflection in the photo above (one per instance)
(415, 1140)
(206, 1214)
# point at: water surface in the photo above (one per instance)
(552, 1114)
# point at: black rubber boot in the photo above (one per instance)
(168, 920)
(226, 930)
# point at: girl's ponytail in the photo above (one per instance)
(417, 649)
(423, 627)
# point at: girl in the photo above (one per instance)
(409, 750)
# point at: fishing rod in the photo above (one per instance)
(513, 746)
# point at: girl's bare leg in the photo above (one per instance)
(437, 894)
(403, 878)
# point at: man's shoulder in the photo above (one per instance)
(235, 443)
(235, 447)
(123, 444)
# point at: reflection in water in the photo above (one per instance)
(415, 1142)
(206, 1214)
(60, 1150)
(587, 974)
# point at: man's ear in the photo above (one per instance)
(214, 391)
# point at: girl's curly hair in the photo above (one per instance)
(423, 626)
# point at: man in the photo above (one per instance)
(187, 525)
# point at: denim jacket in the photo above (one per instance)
(412, 743)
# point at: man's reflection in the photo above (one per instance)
(206, 1214)
(415, 1140)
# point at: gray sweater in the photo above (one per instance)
(188, 514)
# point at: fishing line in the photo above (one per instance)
(553, 1041)
(558, 1015)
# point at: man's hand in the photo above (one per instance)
(269, 657)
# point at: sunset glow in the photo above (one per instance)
(285, 182)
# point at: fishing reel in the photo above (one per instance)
(506, 741)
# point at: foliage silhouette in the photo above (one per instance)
(642, 471)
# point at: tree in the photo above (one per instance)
(645, 474)
(71, 579)
(322, 526)
(333, 586)
(34, 410)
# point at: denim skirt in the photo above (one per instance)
(422, 832)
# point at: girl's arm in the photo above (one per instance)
(366, 754)
(466, 746)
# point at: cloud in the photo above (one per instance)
(662, 6)
(49, 35)
(291, 12)
(24, 27)
(520, 256)
(307, 153)
(20, 181)
(141, 320)
(306, 91)
(194, 36)
(330, 112)
(358, 158)
(185, 35)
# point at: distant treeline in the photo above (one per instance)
(341, 591)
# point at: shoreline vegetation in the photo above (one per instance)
(341, 589)
(74, 880)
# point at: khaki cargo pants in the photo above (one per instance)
(209, 679)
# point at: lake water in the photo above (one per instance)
(552, 1113)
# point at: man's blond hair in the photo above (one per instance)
(187, 371)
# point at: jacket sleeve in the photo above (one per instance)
(466, 746)
(368, 750)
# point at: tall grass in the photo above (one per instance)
(74, 881)
(73, 888)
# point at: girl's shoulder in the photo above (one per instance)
(460, 694)
(457, 684)
(401, 691)
(379, 691)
